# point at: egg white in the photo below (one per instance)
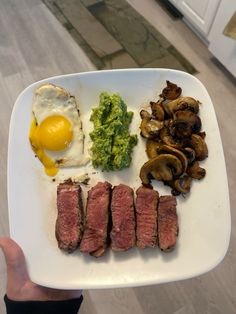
(51, 100)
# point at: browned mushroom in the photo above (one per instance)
(195, 171)
(184, 124)
(168, 139)
(202, 134)
(190, 154)
(171, 91)
(182, 103)
(183, 183)
(163, 167)
(149, 127)
(199, 146)
(173, 151)
(144, 114)
(157, 110)
(175, 142)
(152, 148)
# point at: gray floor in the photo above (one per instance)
(33, 45)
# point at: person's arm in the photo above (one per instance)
(23, 296)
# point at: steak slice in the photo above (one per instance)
(123, 218)
(69, 223)
(94, 240)
(167, 222)
(146, 217)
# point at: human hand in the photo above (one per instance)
(19, 285)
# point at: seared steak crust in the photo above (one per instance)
(94, 240)
(146, 217)
(123, 218)
(69, 223)
(167, 223)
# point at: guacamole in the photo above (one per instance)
(112, 143)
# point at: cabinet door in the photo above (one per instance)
(223, 47)
(200, 13)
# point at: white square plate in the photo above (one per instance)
(204, 215)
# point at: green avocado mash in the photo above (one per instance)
(112, 143)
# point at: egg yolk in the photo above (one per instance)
(55, 134)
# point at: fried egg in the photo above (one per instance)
(56, 134)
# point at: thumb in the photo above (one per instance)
(17, 273)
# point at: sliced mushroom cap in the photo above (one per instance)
(185, 123)
(171, 150)
(190, 154)
(168, 139)
(163, 167)
(149, 127)
(202, 134)
(171, 91)
(144, 114)
(183, 184)
(152, 148)
(157, 110)
(199, 146)
(182, 103)
(195, 171)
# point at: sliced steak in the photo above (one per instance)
(69, 223)
(167, 222)
(146, 217)
(94, 239)
(123, 218)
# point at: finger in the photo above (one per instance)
(15, 260)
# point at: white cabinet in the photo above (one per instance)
(223, 47)
(208, 19)
(199, 13)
